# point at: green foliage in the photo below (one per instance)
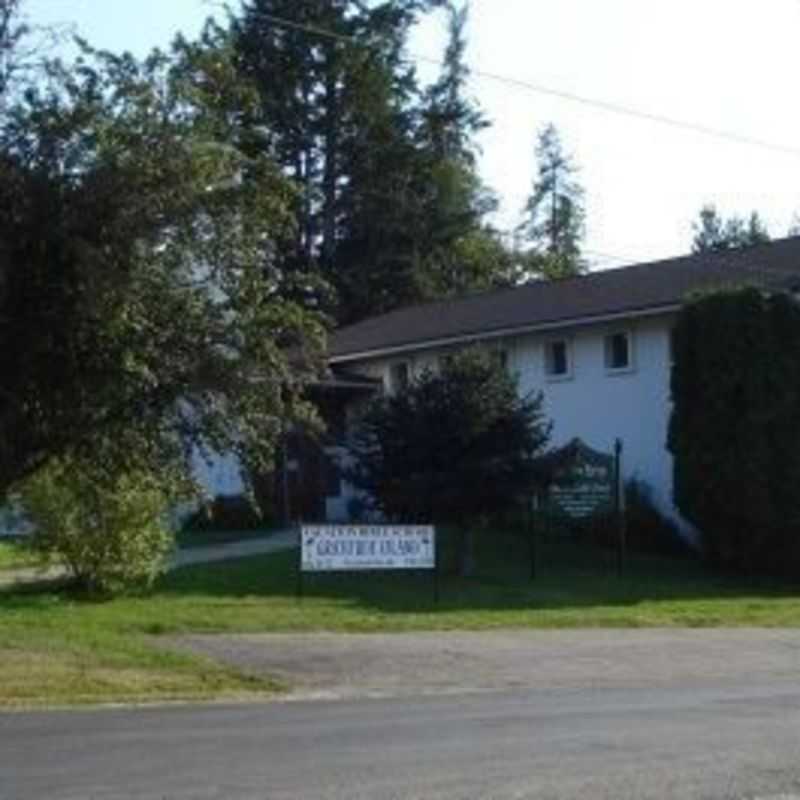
(713, 233)
(11, 33)
(109, 531)
(553, 224)
(136, 226)
(453, 447)
(388, 198)
(647, 529)
(735, 427)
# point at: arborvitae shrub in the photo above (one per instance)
(735, 427)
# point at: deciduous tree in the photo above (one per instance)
(140, 313)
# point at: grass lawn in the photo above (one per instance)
(16, 555)
(55, 649)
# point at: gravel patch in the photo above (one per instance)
(333, 665)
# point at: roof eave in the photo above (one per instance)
(499, 333)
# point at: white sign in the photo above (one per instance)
(327, 548)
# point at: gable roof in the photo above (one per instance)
(541, 305)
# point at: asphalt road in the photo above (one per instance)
(733, 742)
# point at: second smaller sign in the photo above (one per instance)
(584, 481)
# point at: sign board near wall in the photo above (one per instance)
(584, 483)
(334, 548)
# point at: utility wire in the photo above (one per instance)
(625, 260)
(602, 105)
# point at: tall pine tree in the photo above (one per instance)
(389, 208)
(462, 252)
(333, 90)
(713, 233)
(553, 218)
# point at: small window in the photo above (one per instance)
(557, 359)
(501, 358)
(399, 376)
(618, 351)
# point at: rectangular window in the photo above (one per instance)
(501, 358)
(399, 376)
(618, 351)
(557, 360)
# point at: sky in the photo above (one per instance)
(727, 65)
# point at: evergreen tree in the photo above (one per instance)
(390, 208)
(13, 32)
(713, 233)
(553, 218)
(456, 445)
(333, 91)
(461, 252)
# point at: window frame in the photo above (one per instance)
(395, 386)
(569, 372)
(608, 352)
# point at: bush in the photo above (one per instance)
(454, 446)
(109, 531)
(648, 530)
(735, 428)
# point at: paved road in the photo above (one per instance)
(687, 743)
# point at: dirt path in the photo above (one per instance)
(383, 665)
(282, 540)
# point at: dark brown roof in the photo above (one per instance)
(630, 290)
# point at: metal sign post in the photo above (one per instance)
(299, 566)
(533, 506)
(619, 507)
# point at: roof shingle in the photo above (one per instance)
(635, 289)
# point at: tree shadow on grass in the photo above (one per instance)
(568, 577)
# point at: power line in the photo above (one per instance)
(511, 240)
(602, 105)
(610, 257)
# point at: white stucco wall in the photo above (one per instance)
(218, 474)
(592, 403)
(600, 406)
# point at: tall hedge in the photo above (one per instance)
(735, 427)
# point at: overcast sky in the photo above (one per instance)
(731, 65)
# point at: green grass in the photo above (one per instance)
(16, 555)
(56, 649)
